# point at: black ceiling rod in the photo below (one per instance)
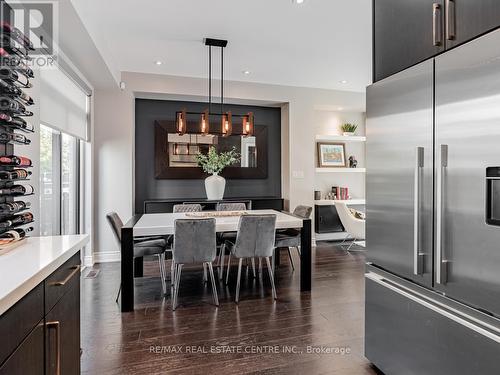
(222, 79)
(209, 79)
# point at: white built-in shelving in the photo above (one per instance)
(340, 170)
(340, 138)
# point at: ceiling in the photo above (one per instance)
(319, 43)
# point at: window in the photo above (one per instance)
(60, 174)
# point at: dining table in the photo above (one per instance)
(163, 224)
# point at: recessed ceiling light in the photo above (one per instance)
(158, 62)
(343, 81)
(340, 108)
(297, 1)
(246, 72)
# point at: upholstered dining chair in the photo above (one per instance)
(194, 242)
(255, 239)
(231, 206)
(291, 237)
(142, 247)
(188, 207)
(226, 236)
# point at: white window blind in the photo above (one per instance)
(63, 104)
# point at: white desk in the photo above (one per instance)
(163, 224)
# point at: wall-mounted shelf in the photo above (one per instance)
(340, 138)
(340, 170)
(326, 202)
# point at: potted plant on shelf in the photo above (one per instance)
(214, 163)
(348, 129)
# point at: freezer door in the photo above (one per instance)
(467, 144)
(400, 173)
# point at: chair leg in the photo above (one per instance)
(298, 250)
(352, 243)
(221, 261)
(260, 265)
(228, 268)
(273, 262)
(271, 277)
(177, 284)
(214, 287)
(161, 264)
(205, 277)
(238, 281)
(291, 259)
(118, 295)
(172, 273)
(253, 268)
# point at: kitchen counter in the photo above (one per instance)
(28, 265)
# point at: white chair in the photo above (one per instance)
(354, 227)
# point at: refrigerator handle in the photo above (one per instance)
(441, 264)
(417, 254)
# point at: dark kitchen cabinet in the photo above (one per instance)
(326, 219)
(466, 19)
(40, 334)
(405, 32)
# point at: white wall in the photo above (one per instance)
(114, 136)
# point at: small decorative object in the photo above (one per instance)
(317, 195)
(353, 163)
(348, 129)
(214, 164)
(331, 155)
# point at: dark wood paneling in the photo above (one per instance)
(164, 171)
(65, 317)
(17, 322)
(403, 34)
(54, 291)
(28, 358)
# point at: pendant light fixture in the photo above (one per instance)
(247, 126)
(226, 117)
(181, 123)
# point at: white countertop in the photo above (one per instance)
(160, 224)
(328, 202)
(28, 265)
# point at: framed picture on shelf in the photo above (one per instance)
(331, 155)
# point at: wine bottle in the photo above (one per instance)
(12, 207)
(13, 160)
(15, 122)
(17, 190)
(15, 60)
(13, 235)
(11, 105)
(16, 220)
(12, 76)
(17, 35)
(16, 174)
(14, 91)
(13, 137)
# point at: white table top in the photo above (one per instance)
(161, 224)
(28, 265)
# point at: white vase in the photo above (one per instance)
(215, 186)
(348, 134)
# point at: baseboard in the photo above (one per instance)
(107, 256)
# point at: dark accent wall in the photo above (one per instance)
(147, 111)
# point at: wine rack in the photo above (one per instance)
(15, 130)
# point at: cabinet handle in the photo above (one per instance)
(436, 24)
(417, 255)
(57, 326)
(441, 263)
(450, 20)
(61, 283)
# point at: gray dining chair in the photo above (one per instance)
(143, 246)
(194, 242)
(226, 236)
(290, 238)
(231, 206)
(255, 239)
(188, 207)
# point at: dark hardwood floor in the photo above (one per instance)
(256, 336)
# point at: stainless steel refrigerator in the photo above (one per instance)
(433, 215)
